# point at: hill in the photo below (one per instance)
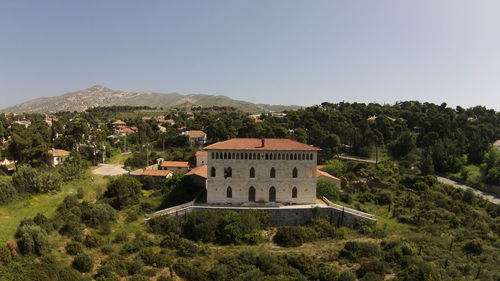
(101, 96)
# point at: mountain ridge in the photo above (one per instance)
(98, 95)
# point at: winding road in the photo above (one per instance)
(487, 196)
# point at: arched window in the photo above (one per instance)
(228, 172)
(267, 156)
(279, 156)
(272, 173)
(251, 194)
(225, 155)
(295, 172)
(252, 172)
(258, 156)
(294, 192)
(287, 156)
(311, 157)
(212, 172)
(250, 156)
(213, 155)
(246, 156)
(229, 155)
(229, 192)
(272, 194)
(295, 156)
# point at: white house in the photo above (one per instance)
(246, 170)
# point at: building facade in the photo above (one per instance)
(261, 170)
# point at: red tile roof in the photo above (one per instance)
(177, 164)
(196, 134)
(156, 173)
(201, 171)
(261, 144)
(201, 153)
(320, 173)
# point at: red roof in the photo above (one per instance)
(261, 144)
(156, 173)
(201, 153)
(201, 171)
(196, 134)
(177, 164)
(320, 173)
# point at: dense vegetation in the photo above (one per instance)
(425, 230)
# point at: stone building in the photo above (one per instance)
(57, 156)
(261, 170)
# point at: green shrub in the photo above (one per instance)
(92, 241)
(165, 224)
(474, 247)
(32, 239)
(123, 191)
(7, 192)
(347, 276)
(328, 189)
(293, 236)
(83, 263)
(74, 248)
(353, 250)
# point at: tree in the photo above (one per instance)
(427, 166)
(32, 180)
(83, 263)
(123, 191)
(7, 192)
(32, 239)
(405, 144)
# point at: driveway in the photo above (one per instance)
(109, 170)
(487, 196)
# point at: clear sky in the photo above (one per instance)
(266, 51)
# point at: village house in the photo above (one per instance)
(57, 156)
(178, 167)
(118, 124)
(201, 158)
(152, 173)
(246, 170)
(196, 138)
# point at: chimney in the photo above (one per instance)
(263, 142)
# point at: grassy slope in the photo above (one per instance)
(11, 214)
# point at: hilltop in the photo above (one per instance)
(101, 96)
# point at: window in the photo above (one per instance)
(229, 192)
(251, 194)
(295, 173)
(252, 172)
(272, 194)
(228, 172)
(212, 172)
(294, 192)
(272, 173)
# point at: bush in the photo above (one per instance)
(32, 239)
(474, 247)
(7, 192)
(371, 276)
(347, 276)
(80, 193)
(83, 263)
(293, 236)
(31, 180)
(92, 241)
(328, 189)
(97, 214)
(74, 248)
(123, 191)
(353, 250)
(165, 224)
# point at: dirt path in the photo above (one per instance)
(109, 170)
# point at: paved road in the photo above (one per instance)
(352, 158)
(487, 196)
(109, 170)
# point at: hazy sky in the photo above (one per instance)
(280, 52)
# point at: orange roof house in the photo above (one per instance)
(175, 166)
(57, 156)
